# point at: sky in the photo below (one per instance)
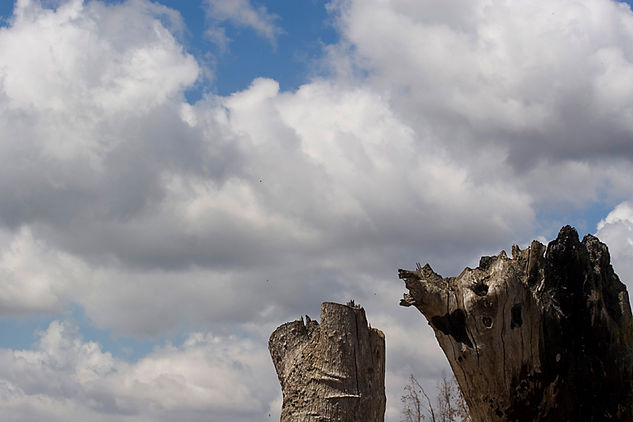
(179, 178)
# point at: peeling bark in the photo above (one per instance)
(546, 335)
(331, 372)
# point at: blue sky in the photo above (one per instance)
(178, 178)
(291, 60)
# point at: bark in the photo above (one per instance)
(546, 335)
(333, 371)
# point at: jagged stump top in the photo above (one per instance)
(333, 371)
(544, 335)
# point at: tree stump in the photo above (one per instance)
(546, 335)
(331, 372)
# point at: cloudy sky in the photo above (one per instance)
(179, 178)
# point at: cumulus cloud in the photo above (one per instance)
(274, 239)
(311, 190)
(240, 13)
(64, 377)
(78, 102)
(616, 230)
(90, 58)
(533, 86)
(34, 278)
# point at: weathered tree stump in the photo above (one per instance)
(331, 372)
(546, 335)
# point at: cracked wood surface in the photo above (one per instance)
(546, 335)
(333, 371)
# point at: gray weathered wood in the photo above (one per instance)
(546, 335)
(333, 371)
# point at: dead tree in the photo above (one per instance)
(546, 335)
(333, 371)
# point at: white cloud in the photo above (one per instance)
(75, 84)
(64, 377)
(286, 185)
(89, 59)
(531, 86)
(616, 230)
(623, 213)
(34, 278)
(240, 13)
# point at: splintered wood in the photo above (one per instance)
(546, 335)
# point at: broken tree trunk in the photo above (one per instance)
(333, 371)
(546, 335)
